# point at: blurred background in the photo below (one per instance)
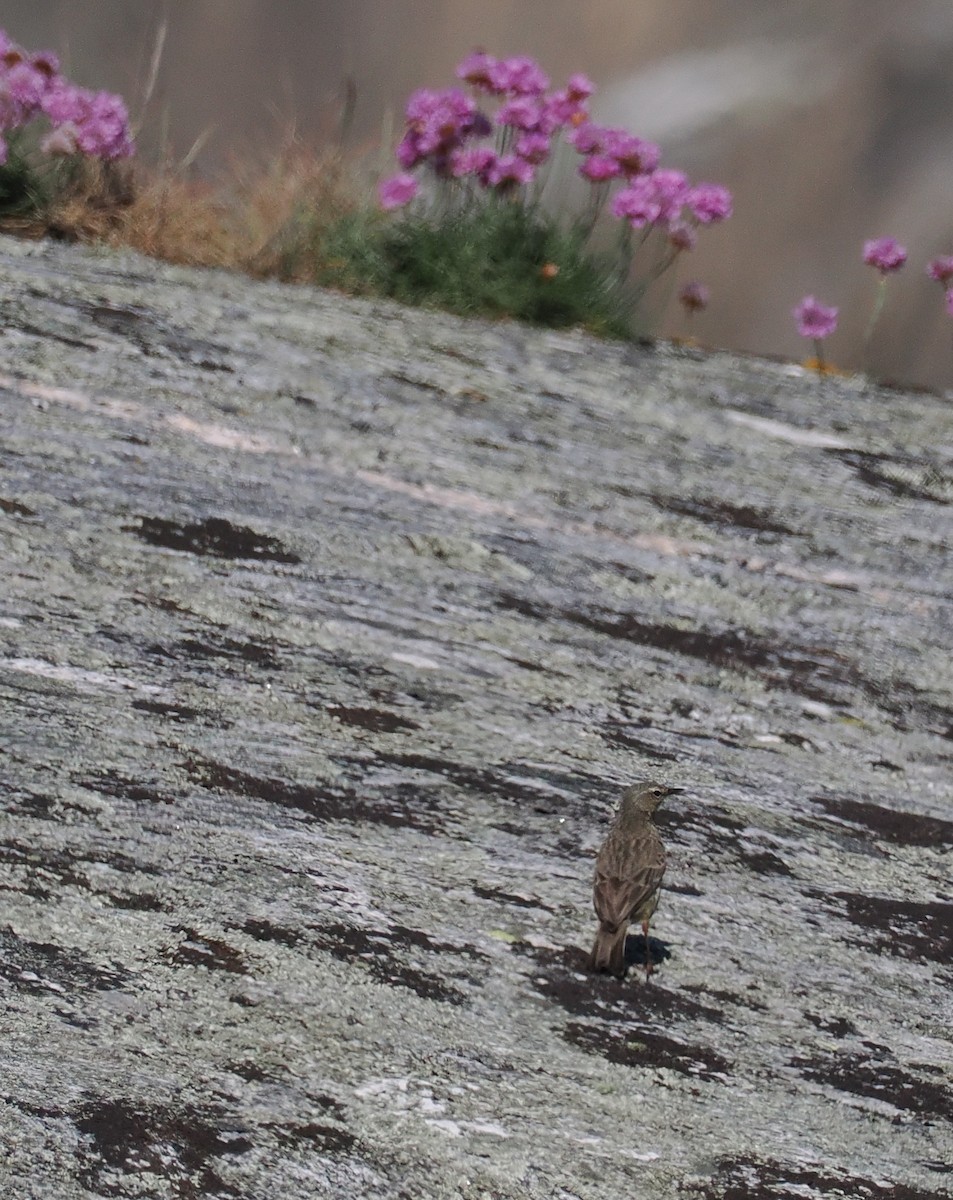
(831, 123)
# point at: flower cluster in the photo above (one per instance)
(885, 254)
(814, 319)
(95, 124)
(941, 269)
(450, 133)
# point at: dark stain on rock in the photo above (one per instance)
(742, 1178)
(631, 573)
(863, 1076)
(909, 478)
(136, 902)
(722, 831)
(130, 1142)
(266, 931)
(260, 654)
(505, 781)
(326, 1139)
(34, 966)
(617, 733)
(250, 1071)
(376, 720)
(503, 897)
(921, 930)
(816, 672)
(146, 330)
(888, 824)
(15, 509)
(838, 1027)
(173, 712)
(25, 803)
(564, 978)
(403, 935)
(763, 862)
(416, 386)
(636, 1046)
(402, 806)
(373, 947)
(45, 866)
(723, 515)
(801, 669)
(213, 537)
(111, 782)
(198, 950)
(52, 335)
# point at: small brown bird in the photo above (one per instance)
(629, 870)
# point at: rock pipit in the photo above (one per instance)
(629, 870)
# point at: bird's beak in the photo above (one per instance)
(674, 791)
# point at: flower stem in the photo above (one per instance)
(877, 310)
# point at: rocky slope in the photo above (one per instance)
(329, 634)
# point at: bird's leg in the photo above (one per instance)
(648, 955)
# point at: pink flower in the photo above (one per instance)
(98, 121)
(634, 155)
(709, 202)
(534, 147)
(409, 153)
(561, 108)
(580, 87)
(397, 191)
(941, 269)
(447, 112)
(508, 171)
(637, 203)
(694, 296)
(886, 254)
(587, 138)
(438, 122)
(597, 168)
(478, 69)
(64, 102)
(25, 86)
(815, 320)
(522, 112)
(104, 133)
(670, 188)
(682, 236)
(521, 76)
(476, 161)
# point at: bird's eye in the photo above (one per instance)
(656, 791)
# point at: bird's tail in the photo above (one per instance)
(608, 950)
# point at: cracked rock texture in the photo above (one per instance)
(329, 634)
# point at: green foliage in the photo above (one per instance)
(497, 259)
(24, 188)
(32, 184)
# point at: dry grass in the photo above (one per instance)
(265, 217)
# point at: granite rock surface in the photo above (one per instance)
(329, 634)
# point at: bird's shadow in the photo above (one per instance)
(635, 950)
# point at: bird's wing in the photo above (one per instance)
(617, 900)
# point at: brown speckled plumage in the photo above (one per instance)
(628, 875)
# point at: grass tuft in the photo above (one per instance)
(500, 259)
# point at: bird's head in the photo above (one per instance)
(646, 797)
